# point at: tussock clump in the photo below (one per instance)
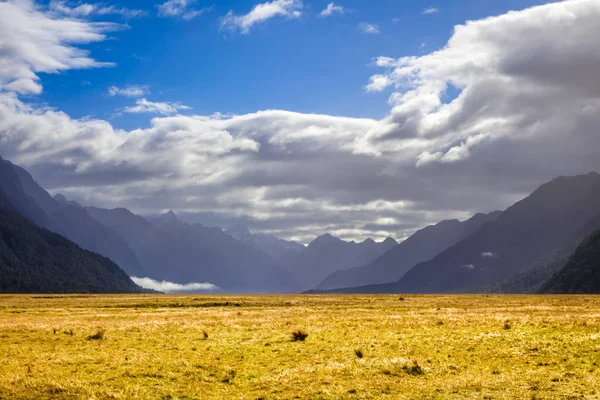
(299, 336)
(229, 375)
(358, 353)
(205, 335)
(414, 369)
(507, 325)
(99, 335)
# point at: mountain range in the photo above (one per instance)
(519, 250)
(421, 246)
(526, 233)
(34, 259)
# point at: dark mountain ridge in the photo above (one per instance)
(581, 272)
(66, 219)
(35, 260)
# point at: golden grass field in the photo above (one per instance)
(419, 347)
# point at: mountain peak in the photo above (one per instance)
(389, 240)
(167, 218)
(368, 241)
(326, 238)
(238, 231)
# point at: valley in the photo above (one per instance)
(358, 347)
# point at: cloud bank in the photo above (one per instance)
(508, 103)
(171, 287)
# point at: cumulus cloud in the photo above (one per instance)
(145, 106)
(368, 28)
(430, 10)
(377, 83)
(128, 91)
(34, 42)
(525, 108)
(262, 13)
(86, 10)
(331, 9)
(171, 287)
(180, 8)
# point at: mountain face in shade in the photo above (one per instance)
(532, 278)
(581, 273)
(71, 221)
(523, 234)
(17, 196)
(175, 251)
(421, 246)
(35, 260)
(282, 251)
(327, 254)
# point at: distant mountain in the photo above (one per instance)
(527, 231)
(176, 251)
(421, 246)
(282, 251)
(66, 219)
(327, 254)
(581, 273)
(35, 260)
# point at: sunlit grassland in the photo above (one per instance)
(240, 347)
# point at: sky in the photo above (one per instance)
(298, 118)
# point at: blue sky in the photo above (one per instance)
(309, 64)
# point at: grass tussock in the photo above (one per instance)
(358, 353)
(99, 335)
(413, 369)
(299, 336)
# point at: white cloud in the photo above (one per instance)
(180, 8)
(261, 13)
(33, 41)
(430, 10)
(378, 83)
(86, 9)
(129, 91)
(488, 254)
(332, 9)
(144, 106)
(365, 27)
(468, 266)
(171, 287)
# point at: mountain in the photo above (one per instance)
(35, 260)
(65, 218)
(15, 194)
(179, 252)
(532, 278)
(280, 250)
(526, 232)
(421, 246)
(581, 273)
(327, 254)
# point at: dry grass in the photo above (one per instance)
(156, 347)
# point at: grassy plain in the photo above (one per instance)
(418, 347)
